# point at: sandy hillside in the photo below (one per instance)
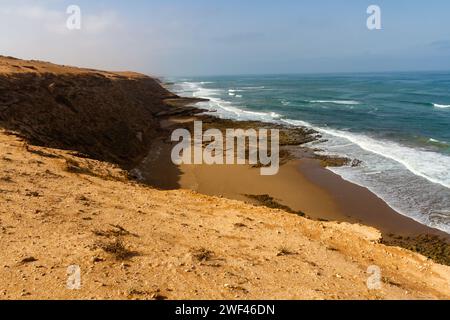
(109, 116)
(131, 241)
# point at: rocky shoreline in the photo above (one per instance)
(291, 138)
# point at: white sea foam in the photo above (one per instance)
(222, 108)
(299, 123)
(343, 102)
(441, 106)
(433, 166)
(437, 141)
(254, 88)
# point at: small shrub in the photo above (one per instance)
(118, 250)
(202, 255)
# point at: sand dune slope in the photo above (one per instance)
(131, 241)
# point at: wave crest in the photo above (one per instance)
(343, 102)
(441, 106)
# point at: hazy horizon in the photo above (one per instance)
(202, 38)
(303, 73)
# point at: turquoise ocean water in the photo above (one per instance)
(397, 124)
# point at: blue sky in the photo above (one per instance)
(199, 37)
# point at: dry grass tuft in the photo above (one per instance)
(268, 201)
(116, 231)
(202, 254)
(283, 251)
(117, 249)
(73, 166)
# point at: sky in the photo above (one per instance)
(221, 37)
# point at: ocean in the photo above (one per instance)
(397, 124)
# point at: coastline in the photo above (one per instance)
(70, 196)
(303, 184)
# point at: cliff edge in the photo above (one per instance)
(109, 116)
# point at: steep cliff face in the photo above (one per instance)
(105, 115)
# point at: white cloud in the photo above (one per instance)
(54, 21)
(38, 31)
(98, 23)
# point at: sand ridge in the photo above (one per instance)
(135, 242)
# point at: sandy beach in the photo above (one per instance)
(100, 192)
(303, 184)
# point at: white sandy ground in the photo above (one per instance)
(188, 246)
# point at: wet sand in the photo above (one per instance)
(301, 184)
(359, 204)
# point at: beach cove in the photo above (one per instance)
(95, 187)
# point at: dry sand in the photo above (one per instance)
(301, 184)
(304, 185)
(58, 210)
